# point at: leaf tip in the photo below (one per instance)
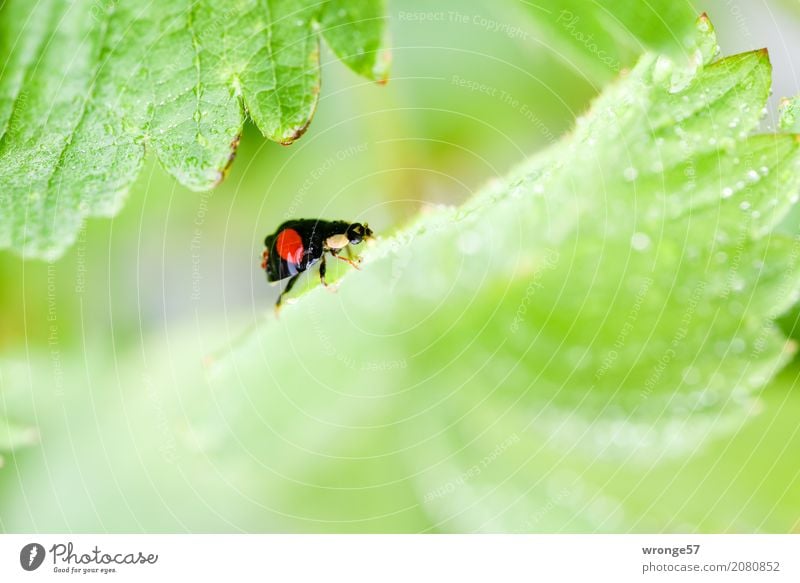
(704, 41)
(296, 134)
(380, 71)
(703, 23)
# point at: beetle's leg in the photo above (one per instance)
(286, 290)
(322, 269)
(350, 254)
(350, 260)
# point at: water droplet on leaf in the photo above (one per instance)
(640, 241)
(630, 174)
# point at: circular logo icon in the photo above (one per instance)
(31, 556)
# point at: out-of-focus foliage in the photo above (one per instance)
(602, 37)
(87, 86)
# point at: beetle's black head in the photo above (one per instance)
(358, 232)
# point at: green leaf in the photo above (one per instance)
(613, 300)
(88, 86)
(354, 31)
(603, 37)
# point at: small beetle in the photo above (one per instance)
(299, 244)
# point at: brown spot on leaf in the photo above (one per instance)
(231, 157)
(300, 130)
(296, 134)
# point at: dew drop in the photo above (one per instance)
(640, 242)
(727, 192)
(691, 376)
(469, 243)
(630, 174)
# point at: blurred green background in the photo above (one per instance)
(173, 280)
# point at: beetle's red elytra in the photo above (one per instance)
(289, 245)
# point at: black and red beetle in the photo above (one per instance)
(298, 244)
